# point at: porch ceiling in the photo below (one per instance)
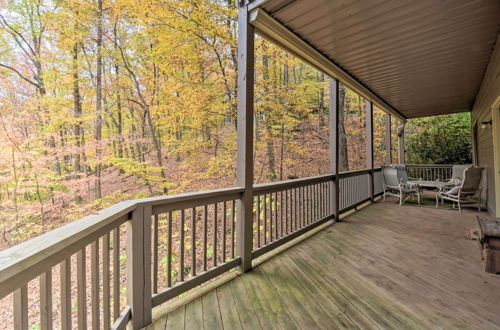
(422, 57)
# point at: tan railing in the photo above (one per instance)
(285, 210)
(137, 254)
(431, 172)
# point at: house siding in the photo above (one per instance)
(487, 95)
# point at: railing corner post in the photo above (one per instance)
(139, 267)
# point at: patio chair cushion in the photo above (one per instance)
(453, 191)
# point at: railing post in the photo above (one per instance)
(245, 125)
(333, 145)
(139, 266)
(388, 139)
(369, 146)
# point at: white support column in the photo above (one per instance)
(333, 147)
(369, 145)
(245, 125)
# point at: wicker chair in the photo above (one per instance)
(469, 192)
(398, 186)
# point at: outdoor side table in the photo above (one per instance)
(489, 242)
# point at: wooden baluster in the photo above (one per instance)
(46, 300)
(307, 209)
(205, 236)
(264, 205)
(292, 210)
(94, 278)
(181, 246)
(310, 205)
(313, 203)
(271, 211)
(319, 200)
(224, 229)
(193, 241)
(281, 214)
(21, 308)
(233, 217)
(296, 209)
(275, 215)
(319, 195)
(169, 249)
(325, 199)
(155, 253)
(116, 273)
(65, 273)
(106, 281)
(316, 201)
(300, 208)
(284, 215)
(81, 284)
(287, 213)
(258, 222)
(307, 204)
(215, 235)
(304, 206)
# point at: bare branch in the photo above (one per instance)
(16, 35)
(20, 75)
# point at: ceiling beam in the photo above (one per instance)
(277, 33)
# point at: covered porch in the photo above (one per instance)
(382, 267)
(386, 266)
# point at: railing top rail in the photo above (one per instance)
(292, 183)
(172, 199)
(347, 174)
(25, 261)
(430, 165)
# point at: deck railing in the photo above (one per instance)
(431, 172)
(115, 266)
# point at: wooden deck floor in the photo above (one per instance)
(383, 267)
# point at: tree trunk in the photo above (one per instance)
(343, 156)
(77, 111)
(98, 122)
(156, 143)
(271, 162)
(321, 102)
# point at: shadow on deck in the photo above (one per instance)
(383, 267)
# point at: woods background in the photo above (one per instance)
(107, 100)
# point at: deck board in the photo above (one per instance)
(385, 266)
